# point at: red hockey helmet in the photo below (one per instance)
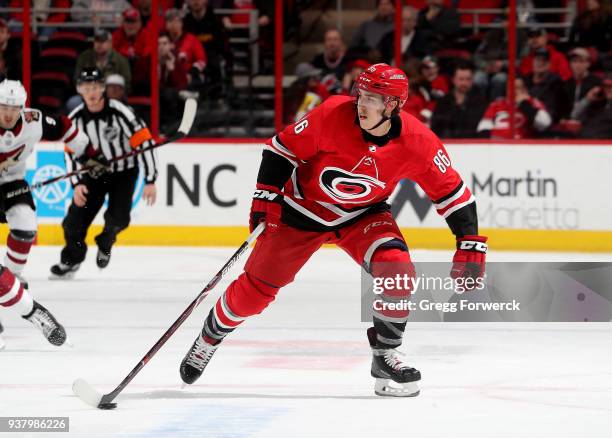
(390, 82)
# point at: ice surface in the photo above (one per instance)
(301, 369)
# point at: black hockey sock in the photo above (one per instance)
(213, 331)
(388, 334)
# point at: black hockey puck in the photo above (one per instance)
(107, 406)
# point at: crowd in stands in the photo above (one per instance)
(458, 79)
(458, 82)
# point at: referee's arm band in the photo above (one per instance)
(140, 137)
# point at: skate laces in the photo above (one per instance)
(200, 354)
(395, 359)
(44, 322)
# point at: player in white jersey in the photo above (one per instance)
(20, 129)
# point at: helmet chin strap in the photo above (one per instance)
(382, 120)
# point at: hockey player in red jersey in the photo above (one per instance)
(326, 179)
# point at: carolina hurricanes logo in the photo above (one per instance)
(347, 187)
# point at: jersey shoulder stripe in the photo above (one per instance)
(123, 109)
(75, 112)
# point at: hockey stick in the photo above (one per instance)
(89, 395)
(191, 108)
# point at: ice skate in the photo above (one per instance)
(393, 376)
(2, 344)
(103, 258)
(52, 330)
(62, 271)
(196, 360)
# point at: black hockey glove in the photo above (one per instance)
(95, 159)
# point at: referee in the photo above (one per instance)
(114, 130)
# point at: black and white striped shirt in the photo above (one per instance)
(116, 131)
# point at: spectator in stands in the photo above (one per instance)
(105, 58)
(547, 86)
(353, 70)
(187, 49)
(596, 115)
(333, 59)
(417, 103)
(173, 74)
(593, 27)
(491, 60)
(145, 7)
(202, 22)
(414, 40)
(10, 54)
(441, 23)
(530, 116)
(173, 79)
(305, 93)
(491, 78)
(433, 85)
(458, 113)
(582, 79)
(115, 87)
(537, 41)
(131, 39)
(101, 13)
(370, 32)
(436, 85)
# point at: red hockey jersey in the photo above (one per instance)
(338, 176)
(496, 119)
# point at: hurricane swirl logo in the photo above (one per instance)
(347, 187)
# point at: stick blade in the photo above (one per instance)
(191, 108)
(87, 393)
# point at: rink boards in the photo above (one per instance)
(530, 197)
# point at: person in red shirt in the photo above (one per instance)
(173, 79)
(434, 85)
(416, 105)
(131, 39)
(326, 180)
(538, 39)
(530, 115)
(188, 50)
(353, 70)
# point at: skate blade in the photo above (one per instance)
(389, 388)
(2, 344)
